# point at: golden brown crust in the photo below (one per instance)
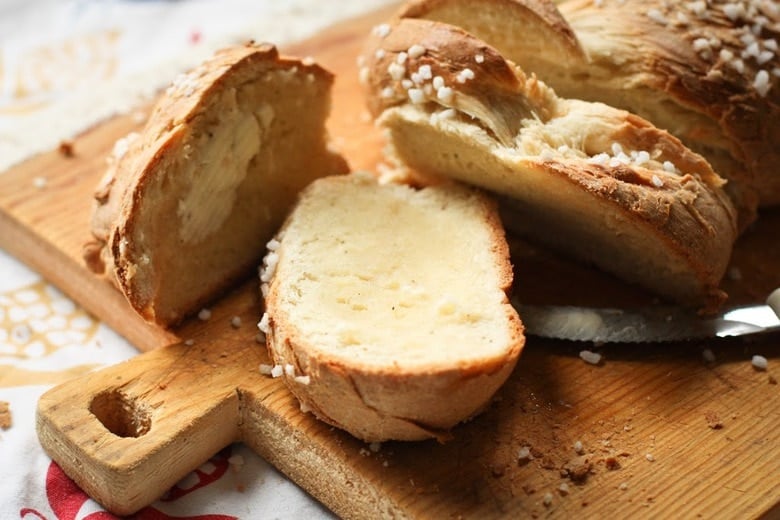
(144, 166)
(701, 59)
(546, 31)
(691, 68)
(492, 100)
(669, 193)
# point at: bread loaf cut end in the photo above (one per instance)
(187, 203)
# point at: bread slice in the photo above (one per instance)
(705, 71)
(187, 203)
(387, 306)
(593, 181)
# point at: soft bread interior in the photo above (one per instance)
(379, 271)
(393, 302)
(551, 205)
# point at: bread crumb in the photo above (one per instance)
(593, 358)
(563, 489)
(708, 355)
(303, 380)
(547, 499)
(759, 362)
(204, 315)
(235, 322)
(273, 244)
(236, 461)
(189, 342)
(66, 148)
(623, 486)
(649, 457)
(5, 415)
(40, 182)
(268, 269)
(578, 447)
(611, 463)
(524, 455)
(578, 469)
(713, 420)
(263, 324)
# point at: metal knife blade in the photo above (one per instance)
(646, 325)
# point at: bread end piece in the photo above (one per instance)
(186, 201)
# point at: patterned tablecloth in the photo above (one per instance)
(65, 65)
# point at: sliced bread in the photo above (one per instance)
(705, 71)
(187, 203)
(593, 181)
(387, 306)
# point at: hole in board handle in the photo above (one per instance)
(120, 414)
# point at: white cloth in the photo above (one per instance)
(65, 66)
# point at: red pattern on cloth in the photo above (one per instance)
(66, 499)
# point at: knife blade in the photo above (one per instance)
(646, 325)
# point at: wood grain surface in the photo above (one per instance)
(664, 433)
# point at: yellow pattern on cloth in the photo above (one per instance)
(36, 321)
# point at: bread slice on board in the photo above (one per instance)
(593, 181)
(187, 204)
(386, 306)
(708, 72)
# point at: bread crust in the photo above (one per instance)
(671, 64)
(685, 213)
(676, 60)
(141, 162)
(403, 400)
(546, 30)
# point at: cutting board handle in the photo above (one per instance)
(127, 433)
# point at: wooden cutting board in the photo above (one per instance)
(663, 432)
